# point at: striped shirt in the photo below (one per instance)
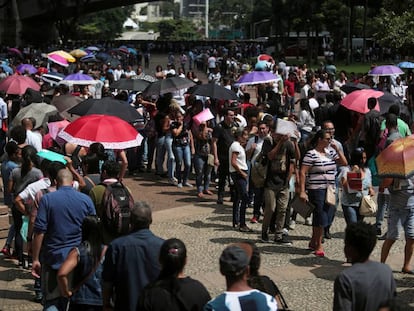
(250, 300)
(322, 169)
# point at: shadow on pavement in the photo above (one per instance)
(324, 268)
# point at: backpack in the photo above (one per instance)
(117, 203)
(259, 168)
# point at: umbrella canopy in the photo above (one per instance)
(53, 78)
(385, 70)
(6, 68)
(102, 56)
(39, 111)
(130, 84)
(23, 68)
(112, 132)
(106, 106)
(214, 90)
(15, 51)
(78, 53)
(112, 61)
(64, 54)
(78, 78)
(406, 65)
(63, 103)
(256, 77)
(92, 48)
(56, 127)
(168, 85)
(386, 101)
(17, 85)
(397, 160)
(350, 87)
(89, 58)
(145, 77)
(357, 100)
(57, 59)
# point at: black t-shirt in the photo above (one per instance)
(181, 294)
(225, 138)
(278, 169)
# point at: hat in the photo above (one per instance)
(233, 261)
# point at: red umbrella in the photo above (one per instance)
(16, 84)
(110, 131)
(357, 100)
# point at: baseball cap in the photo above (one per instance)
(233, 261)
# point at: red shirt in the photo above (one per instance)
(290, 87)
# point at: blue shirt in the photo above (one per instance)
(131, 263)
(60, 218)
(6, 169)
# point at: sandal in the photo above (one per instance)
(319, 253)
(407, 272)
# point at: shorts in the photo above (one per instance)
(400, 217)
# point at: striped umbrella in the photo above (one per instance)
(53, 78)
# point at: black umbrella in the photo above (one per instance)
(214, 90)
(107, 106)
(63, 103)
(168, 85)
(387, 100)
(130, 84)
(350, 87)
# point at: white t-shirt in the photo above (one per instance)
(241, 157)
(258, 148)
(34, 139)
(313, 103)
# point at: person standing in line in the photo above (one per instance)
(367, 284)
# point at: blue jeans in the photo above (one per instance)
(160, 154)
(203, 172)
(383, 204)
(182, 154)
(170, 155)
(323, 211)
(351, 214)
(241, 199)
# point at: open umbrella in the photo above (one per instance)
(256, 77)
(7, 68)
(357, 100)
(349, 87)
(106, 106)
(64, 54)
(63, 103)
(78, 78)
(39, 111)
(78, 53)
(17, 85)
(56, 127)
(386, 101)
(168, 85)
(385, 70)
(53, 78)
(406, 65)
(57, 59)
(397, 160)
(130, 84)
(89, 58)
(15, 51)
(144, 77)
(92, 48)
(23, 68)
(214, 90)
(112, 132)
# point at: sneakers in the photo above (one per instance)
(180, 185)
(379, 232)
(265, 237)
(38, 296)
(244, 228)
(6, 251)
(292, 224)
(308, 221)
(173, 181)
(254, 220)
(187, 184)
(283, 240)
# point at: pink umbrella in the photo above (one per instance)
(15, 51)
(56, 127)
(18, 85)
(58, 60)
(357, 100)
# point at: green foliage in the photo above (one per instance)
(177, 29)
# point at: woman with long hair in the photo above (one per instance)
(20, 178)
(173, 290)
(84, 290)
(317, 178)
(352, 194)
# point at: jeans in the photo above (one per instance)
(182, 154)
(18, 239)
(351, 214)
(383, 204)
(275, 200)
(223, 173)
(160, 154)
(241, 199)
(170, 155)
(203, 172)
(258, 200)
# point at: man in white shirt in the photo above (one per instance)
(33, 138)
(118, 72)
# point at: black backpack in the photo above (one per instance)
(117, 203)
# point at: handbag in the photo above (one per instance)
(210, 159)
(330, 197)
(303, 208)
(368, 206)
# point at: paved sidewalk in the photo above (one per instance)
(305, 281)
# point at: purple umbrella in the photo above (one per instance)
(256, 77)
(385, 70)
(23, 68)
(78, 78)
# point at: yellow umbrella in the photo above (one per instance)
(78, 53)
(64, 54)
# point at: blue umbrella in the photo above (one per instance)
(133, 51)
(7, 69)
(90, 58)
(406, 65)
(102, 56)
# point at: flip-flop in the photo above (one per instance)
(407, 272)
(319, 253)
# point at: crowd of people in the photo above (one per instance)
(136, 267)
